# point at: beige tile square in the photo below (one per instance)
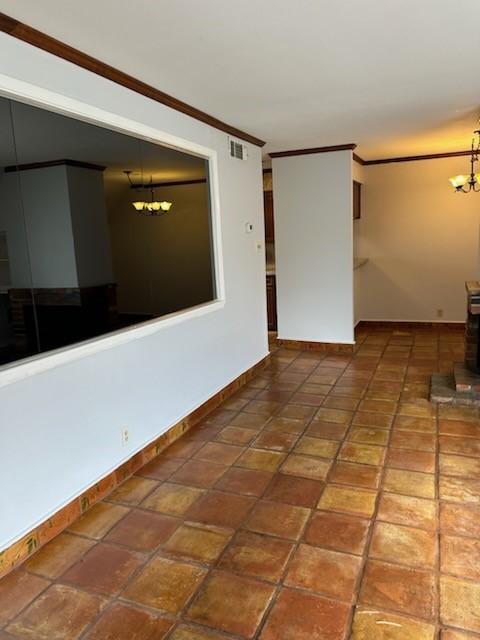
(464, 490)
(420, 409)
(232, 604)
(60, 613)
(172, 499)
(368, 435)
(334, 415)
(58, 555)
(299, 615)
(278, 519)
(219, 453)
(348, 500)
(165, 584)
(460, 603)
(133, 490)
(17, 590)
(410, 483)
(199, 542)
(236, 435)
(324, 571)
(306, 467)
(317, 447)
(403, 545)
(371, 624)
(453, 465)
(260, 459)
(412, 440)
(362, 453)
(376, 420)
(407, 510)
(358, 475)
(98, 520)
(460, 556)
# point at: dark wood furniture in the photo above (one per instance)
(357, 200)
(271, 303)
(268, 209)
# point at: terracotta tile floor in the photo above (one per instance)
(327, 500)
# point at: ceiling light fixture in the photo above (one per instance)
(152, 207)
(466, 183)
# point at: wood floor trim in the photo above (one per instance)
(389, 325)
(330, 347)
(20, 551)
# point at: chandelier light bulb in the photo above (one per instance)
(154, 207)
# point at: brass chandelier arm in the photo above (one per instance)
(467, 183)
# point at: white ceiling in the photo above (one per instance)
(398, 77)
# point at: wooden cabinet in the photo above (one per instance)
(269, 240)
(268, 209)
(271, 303)
(357, 200)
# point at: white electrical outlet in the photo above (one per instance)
(125, 436)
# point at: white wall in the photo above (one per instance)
(35, 211)
(421, 240)
(61, 429)
(93, 256)
(162, 264)
(313, 246)
(60, 213)
(46, 206)
(359, 175)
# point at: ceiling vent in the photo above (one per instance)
(237, 150)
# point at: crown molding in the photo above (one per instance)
(429, 156)
(53, 163)
(358, 159)
(32, 36)
(304, 152)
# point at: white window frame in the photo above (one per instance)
(27, 93)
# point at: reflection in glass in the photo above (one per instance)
(93, 262)
(16, 341)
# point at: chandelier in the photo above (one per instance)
(466, 183)
(150, 207)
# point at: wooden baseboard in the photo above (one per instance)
(13, 556)
(400, 324)
(329, 347)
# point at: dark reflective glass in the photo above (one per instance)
(96, 262)
(17, 340)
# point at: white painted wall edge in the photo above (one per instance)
(44, 361)
(66, 422)
(37, 96)
(112, 468)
